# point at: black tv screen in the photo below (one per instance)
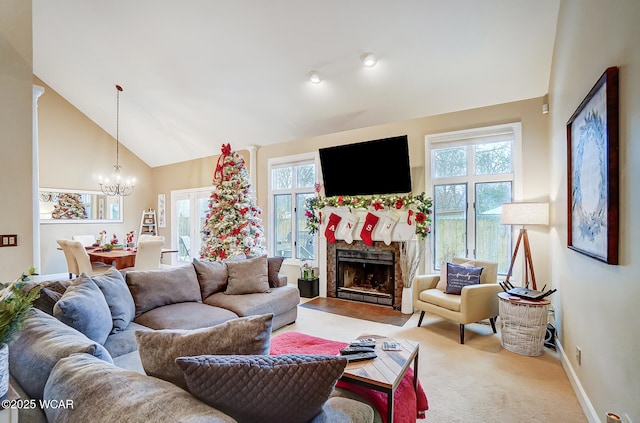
(367, 168)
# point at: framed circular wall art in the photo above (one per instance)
(593, 181)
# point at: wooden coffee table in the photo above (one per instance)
(385, 372)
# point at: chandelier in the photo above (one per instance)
(117, 184)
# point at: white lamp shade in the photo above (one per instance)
(525, 214)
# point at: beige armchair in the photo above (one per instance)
(476, 302)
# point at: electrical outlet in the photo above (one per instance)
(579, 356)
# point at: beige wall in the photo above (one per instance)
(597, 303)
(73, 152)
(16, 69)
(535, 142)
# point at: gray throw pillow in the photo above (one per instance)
(459, 276)
(154, 288)
(273, 267)
(247, 276)
(42, 342)
(50, 294)
(269, 389)
(212, 276)
(118, 297)
(159, 349)
(47, 300)
(84, 308)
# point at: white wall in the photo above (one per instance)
(597, 304)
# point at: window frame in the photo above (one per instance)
(469, 138)
(284, 161)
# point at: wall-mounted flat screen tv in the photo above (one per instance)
(367, 168)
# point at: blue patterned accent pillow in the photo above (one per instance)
(459, 276)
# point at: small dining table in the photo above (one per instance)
(120, 259)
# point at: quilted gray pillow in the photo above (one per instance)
(84, 308)
(159, 349)
(255, 388)
(247, 276)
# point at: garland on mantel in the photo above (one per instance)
(420, 204)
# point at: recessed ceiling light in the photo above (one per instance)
(314, 77)
(369, 60)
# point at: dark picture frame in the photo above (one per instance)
(592, 172)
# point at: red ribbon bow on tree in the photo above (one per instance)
(226, 151)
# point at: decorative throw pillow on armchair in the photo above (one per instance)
(459, 276)
(442, 283)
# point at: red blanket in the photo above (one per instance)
(405, 397)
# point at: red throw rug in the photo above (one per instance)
(405, 397)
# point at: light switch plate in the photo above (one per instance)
(9, 240)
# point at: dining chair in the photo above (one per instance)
(148, 255)
(72, 265)
(83, 261)
(86, 240)
(185, 245)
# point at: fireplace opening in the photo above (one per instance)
(367, 276)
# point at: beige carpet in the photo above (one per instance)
(475, 382)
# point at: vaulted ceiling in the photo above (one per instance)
(199, 73)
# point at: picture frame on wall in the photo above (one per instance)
(162, 222)
(593, 174)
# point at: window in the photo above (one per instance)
(189, 210)
(472, 173)
(292, 182)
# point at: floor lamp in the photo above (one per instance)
(524, 214)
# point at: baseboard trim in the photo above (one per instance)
(583, 399)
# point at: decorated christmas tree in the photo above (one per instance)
(69, 207)
(232, 227)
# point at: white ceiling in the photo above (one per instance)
(199, 73)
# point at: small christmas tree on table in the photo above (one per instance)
(69, 207)
(232, 227)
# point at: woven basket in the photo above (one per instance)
(523, 327)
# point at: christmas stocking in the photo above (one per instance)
(347, 230)
(409, 216)
(330, 232)
(387, 227)
(370, 222)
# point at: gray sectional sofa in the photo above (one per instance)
(72, 349)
